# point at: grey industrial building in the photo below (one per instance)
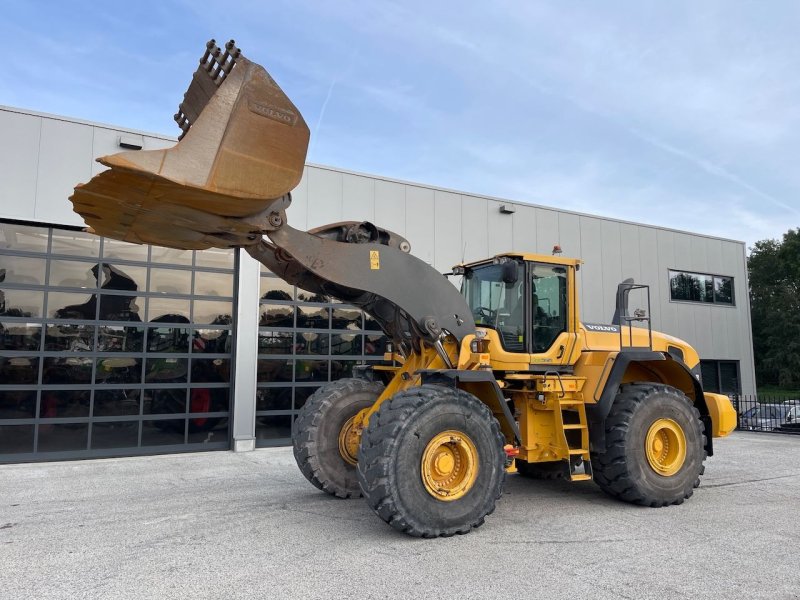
(110, 349)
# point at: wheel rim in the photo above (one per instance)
(349, 439)
(665, 447)
(449, 465)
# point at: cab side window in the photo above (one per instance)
(548, 305)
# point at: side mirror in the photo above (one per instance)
(510, 272)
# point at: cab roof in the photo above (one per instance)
(525, 256)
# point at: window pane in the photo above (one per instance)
(115, 434)
(171, 281)
(709, 375)
(121, 308)
(163, 433)
(274, 342)
(311, 343)
(213, 284)
(120, 339)
(313, 317)
(68, 337)
(166, 370)
(206, 430)
(211, 370)
(20, 336)
(65, 305)
(116, 249)
(276, 315)
(210, 312)
(109, 403)
(729, 377)
(301, 394)
(309, 297)
(17, 404)
(166, 401)
(67, 370)
(279, 398)
(217, 258)
(274, 370)
(62, 437)
(168, 339)
(346, 343)
(168, 310)
(375, 345)
(15, 439)
(723, 290)
(75, 243)
(123, 278)
(64, 403)
(211, 341)
(273, 427)
(23, 237)
(273, 288)
(118, 370)
(72, 273)
(342, 368)
(208, 400)
(21, 303)
(346, 318)
(19, 370)
(311, 370)
(21, 269)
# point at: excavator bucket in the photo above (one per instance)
(242, 149)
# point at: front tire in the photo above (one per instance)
(317, 438)
(431, 461)
(655, 447)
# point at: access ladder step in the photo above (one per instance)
(577, 452)
(574, 426)
(580, 477)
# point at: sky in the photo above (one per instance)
(682, 114)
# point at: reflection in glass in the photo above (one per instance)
(275, 370)
(20, 370)
(125, 278)
(115, 434)
(211, 370)
(20, 336)
(72, 273)
(278, 398)
(276, 315)
(301, 394)
(346, 318)
(375, 345)
(120, 308)
(208, 400)
(207, 430)
(61, 437)
(171, 281)
(116, 402)
(275, 342)
(15, 439)
(23, 237)
(17, 404)
(371, 324)
(342, 368)
(211, 341)
(273, 427)
(112, 338)
(166, 370)
(216, 258)
(346, 343)
(21, 303)
(117, 249)
(75, 243)
(170, 255)
(313, 317)
(67, 305)
(309, 297)
(165, 401)
(213, 284)
(723, 290)
(273, 288)
(163, 432)
(213, 312)
(168, 310)
(311, 370)
(67, 370)
(311, 343)
(118, 370)
(168, 339)
(64, 404)
(68, 337)
(21, 269)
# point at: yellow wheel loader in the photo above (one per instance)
(500, 376)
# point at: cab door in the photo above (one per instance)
(552, 314)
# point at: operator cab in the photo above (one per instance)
(525, 298)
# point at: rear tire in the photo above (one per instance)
(316, 438)
(655, 447)
(431, 461)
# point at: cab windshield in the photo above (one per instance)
(497, 304)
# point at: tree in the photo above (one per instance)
(774, 268)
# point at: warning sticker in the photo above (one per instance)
(374, 260)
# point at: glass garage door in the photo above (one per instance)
(109, 349)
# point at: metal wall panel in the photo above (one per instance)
(19, 157)
(358, 198)
(475, 241)
(449, 243)
(420, 227)
(324, 197)
(499, 228)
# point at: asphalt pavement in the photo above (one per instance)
(223, 525)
